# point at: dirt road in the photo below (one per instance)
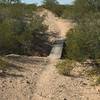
(56, 25)
(38, 80)
(51, 85)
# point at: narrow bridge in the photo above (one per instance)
(57, 48)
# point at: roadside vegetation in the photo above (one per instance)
(21, 29)
(83, 42)
(65, 67)
(3, 65)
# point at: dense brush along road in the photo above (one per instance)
(38, 79)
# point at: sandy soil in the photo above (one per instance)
(52, 86)
(35, 80)
(18, 83)
(56, 26)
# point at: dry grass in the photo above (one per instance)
(3, 64)
(65, 67)
(94, 73)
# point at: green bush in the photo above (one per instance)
(3, 65)
(68, 12)
(54, 6)
(65, 67)
(81, 45)
(21, 30)
(83, 42)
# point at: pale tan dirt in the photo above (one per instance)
(52, 86)
(57, 26)
(41, 81)
(19, 81)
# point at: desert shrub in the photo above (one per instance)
(65, 67)
(93, 72)
(83, 41)
(3, 65)
(97, 81)
(82, 7)
(68, 12)
(21, 30)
